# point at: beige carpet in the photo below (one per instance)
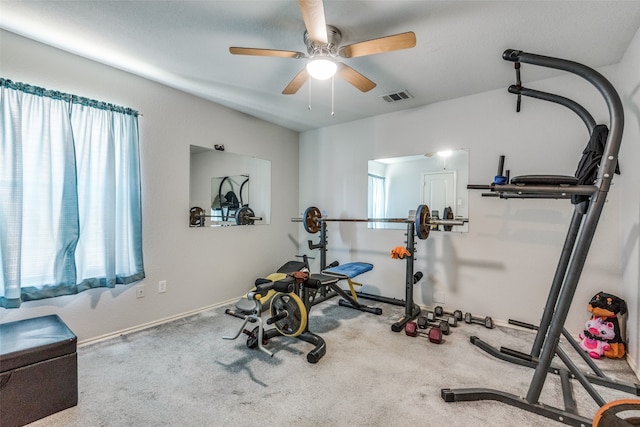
(184, 374)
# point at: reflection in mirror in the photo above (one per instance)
(439, 180)
(228, 195)
(221, 183)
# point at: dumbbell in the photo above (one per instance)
(457, 314)
(487, 322)
(450, 320)
(425, 322)
(434, 334)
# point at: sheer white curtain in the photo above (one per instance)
(377, 199)
(70, 214)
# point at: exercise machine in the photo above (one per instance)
(419, 225)
(588, 192)
(289, 311)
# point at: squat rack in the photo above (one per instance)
(419, 226)
(574, 254)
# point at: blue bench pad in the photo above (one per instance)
(350, 269)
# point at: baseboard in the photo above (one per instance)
(148, 325)
(632, 365)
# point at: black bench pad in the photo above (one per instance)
(544, 180)
(38, 369)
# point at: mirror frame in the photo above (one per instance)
(206, 165)
(405, 178)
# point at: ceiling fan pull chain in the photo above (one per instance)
(309, 104)
(332, 91)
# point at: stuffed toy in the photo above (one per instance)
(611, 308)
(595, 339)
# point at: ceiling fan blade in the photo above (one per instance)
(266, 52)
(314, 20)
(380, 45)
(355, 78)
(296, 83)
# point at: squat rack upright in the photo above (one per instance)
(583, 226)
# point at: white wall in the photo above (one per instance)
(504, 266)
(202, 266)
(629, 84)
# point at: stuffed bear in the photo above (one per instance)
(611, 308)
(595, 339)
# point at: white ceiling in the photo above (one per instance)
(184, 44)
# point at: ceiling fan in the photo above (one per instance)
(323, 46)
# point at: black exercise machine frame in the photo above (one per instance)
(574, 254)
(530, 359)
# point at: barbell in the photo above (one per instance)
(313, 219)
(243, 216)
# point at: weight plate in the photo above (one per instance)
(423, 216)
(613, 413)
(245, 216)
(252, 341)
(195, 216)
(448, 214)
(312, 219)
(296, 322)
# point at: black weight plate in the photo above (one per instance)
(423, 216)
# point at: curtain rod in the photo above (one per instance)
(53, 94)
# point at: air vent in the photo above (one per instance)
(396, 96)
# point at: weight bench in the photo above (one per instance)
(38, 369)
(347, 272)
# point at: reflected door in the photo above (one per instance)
(439, 191)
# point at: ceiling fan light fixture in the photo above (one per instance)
(321, 68)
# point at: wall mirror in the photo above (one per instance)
(221, 183)
(439, 180)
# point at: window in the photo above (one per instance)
(377, 199)
(70, 208)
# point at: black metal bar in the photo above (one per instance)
(586, 117)
(516, 353)
(411, 310)
(323, 248)
(588, 360)
(580, 376)
(379, 298)
(475, 394)
(522, 324)
(524, 359)
(478, 187)
(530, 196)
(608, 92)
(558, 278)
(546, 189)
(567, 393)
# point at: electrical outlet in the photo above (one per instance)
(162, 286)
(140, 291)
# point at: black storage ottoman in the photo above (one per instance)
(38, 369)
